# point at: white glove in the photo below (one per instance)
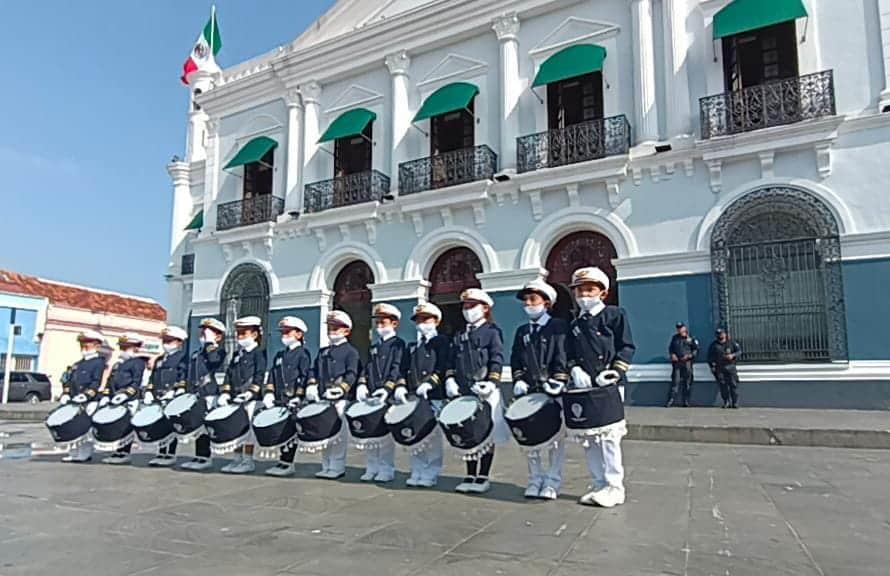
(119, 398)
(179, 392)
(581, 378)
(333, 394)
(520, 388)
(607, 378)
(223, 399)
(361, 393)
(243, 397)
(424, 389)
(381, 395)
(554, 387)
(103, 401)
(269, 400)
(312, 393)
(400, 395)
(168, 395)
(483, 388)
(79, 399)
(452, 390)
(294, 402)
(64, 399)
(148, 397)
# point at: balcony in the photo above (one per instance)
(357, 188)
(447, 169)
(187, 264)
(249, 211)
(576, 143)
(775, 103)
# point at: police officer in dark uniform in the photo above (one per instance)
(82, 385)
(683, 349)
(423, 373)
(169, 372)
(722, 357)
(124, 384)
(287, 380)
(336, 370)
(204, 365)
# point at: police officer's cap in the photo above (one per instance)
(130, 339)
(590, 274)
(174, 332)
(213, 324)
(427, 309)
(476, 295)
(720, 331)
(681, 325)
(540, 287)
(387, 311)
(91, 336)
(292, 323)
(339, 318)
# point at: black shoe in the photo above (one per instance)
(670, 403)
(725, 404)
(735, 405)
(685, 404)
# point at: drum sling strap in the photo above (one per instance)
(531, 352)
(469, 358)
(588, 350)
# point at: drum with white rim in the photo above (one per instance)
(151, 426)
(274, 429)
(228, 428)
(112, 429)
(186, 412)
(535, 420)
(318, 426)
(593, 412)
(69, 426)
(467, 424)
(411, 422)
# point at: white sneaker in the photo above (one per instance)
(548, 493)
(368, 476)
(282, 469)
(588, 499)
(246, 466)
(231, 466)
(610, 497)
(466, 486)
(412, 481)
(384, 477)
(200, 464)
(427, 482)
(323, 473)
(533, 491)
(481, 485)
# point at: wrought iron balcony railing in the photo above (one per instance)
(576, 143)
(345, 191)
(264, 208)
(774, 103)
(447, 169)
(187, 264)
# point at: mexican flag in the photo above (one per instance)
(206, 48)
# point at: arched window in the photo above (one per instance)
(775, 260)
(352, 295)
(452, 273)
(578, 250)
(245, 293)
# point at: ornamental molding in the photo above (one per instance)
(510, 279)
(455, 196)
(663, 265)
(573, 30)
(452, 67)
(301, 299)
(356, 96)
(853, 371)
(400, 290)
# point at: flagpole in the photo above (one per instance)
(212, 28)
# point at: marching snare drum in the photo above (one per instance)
(186, 413)
(69, 425)
(589, 410)
(228, 428)
(411, 422)
(112, 429)
(467, 424)
(366, 419)
(151, 426)
(534, 420)
(318, 424)
(274, 429)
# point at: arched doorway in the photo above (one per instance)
(778, 288)
(352, 295)
(574, 251)
(452, 273)
(245, 293)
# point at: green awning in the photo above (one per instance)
(745, 15)
(447, 99)
(348, 124)
(197, 222)
(253, 151)
(570, 62)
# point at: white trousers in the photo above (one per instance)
(82, 452)
(604, 463)
(427, 465)
(333, 458)
(381, 461)
(551, 476)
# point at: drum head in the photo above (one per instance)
(359, 409)
(222, 412)
(62, 414)
(147, 415)
(458, 410)
(398, 412)
(312, 410)
(271, 416)
(109, 414)
(180, 405)
(526, 406)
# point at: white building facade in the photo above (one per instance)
(727, 161)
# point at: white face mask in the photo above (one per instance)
(474, 314)
(246, 342)
(336, 339)
(587, 303)
(289, 341)
(386, 332)
(208, 337)
(429, 331)
(170, 347)
(88, 353)
(127, 354)
(535, 312)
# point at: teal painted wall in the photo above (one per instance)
(655, 305)
(509, 315)
(309, 315)
(407, 331)
(868, 308)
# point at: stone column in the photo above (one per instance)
(293, 200)
(182, 203)
(399, 64)
(884, 24)
(198, 82)
(645, 105)
(676, 89)
(211, 175)
(310, 92)
(507, 28)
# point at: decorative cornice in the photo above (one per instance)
(401, 290)
(663, 265)
(301, 299)
(866, 246)
(398, 63)
(179, 173)
(506, 27)
(509, 279)
(311, 92)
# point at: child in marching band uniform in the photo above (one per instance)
(84, 379)
(123, 385)
(378, 380)
(423, 372)
(169, 372)
(245, 375)
(600, 349)
(538, 362)
(335, 372)
(205, 364)
(477, 358)
(287, 381)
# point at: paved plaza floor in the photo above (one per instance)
(696, 509)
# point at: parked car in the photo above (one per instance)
(32, 387)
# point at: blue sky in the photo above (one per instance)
(91, 111)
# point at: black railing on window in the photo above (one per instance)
(576, 143)
(447, 169)
(248, 211)
(356, 188)
(774, 103)
(187, 264)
